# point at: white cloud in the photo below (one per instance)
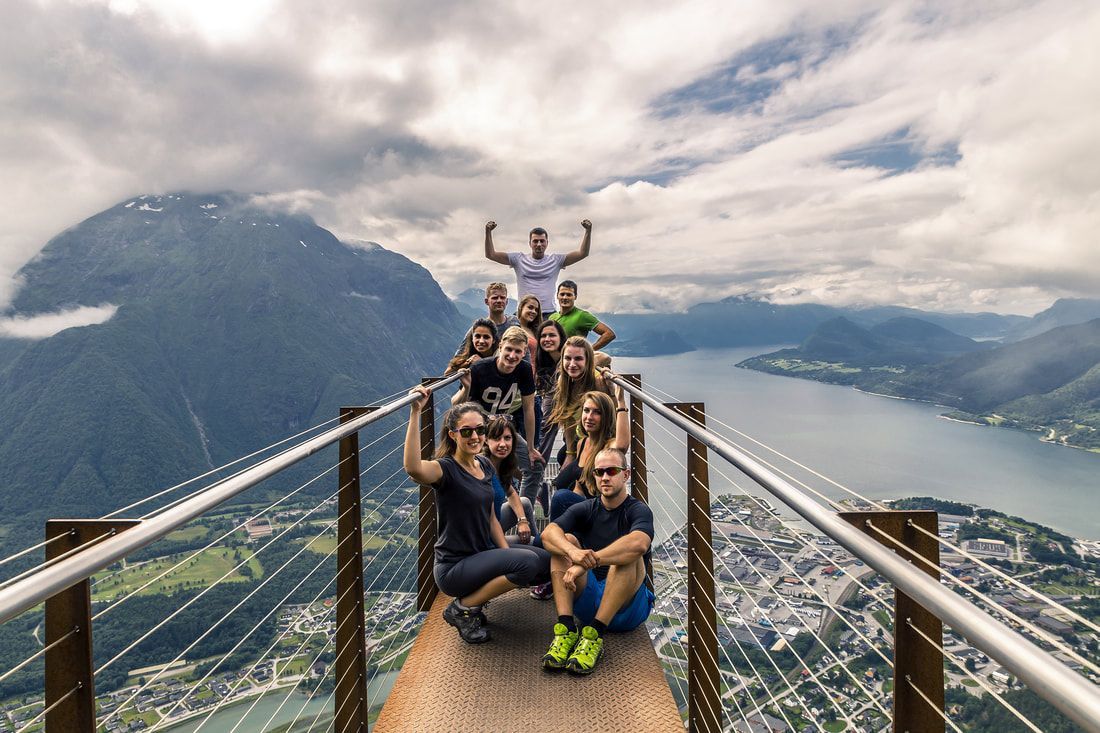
(410, 123)
(45, 325)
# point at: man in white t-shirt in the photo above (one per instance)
(537, 273)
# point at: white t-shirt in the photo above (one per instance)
(537, 277)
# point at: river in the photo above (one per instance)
(299, 706)
(880, 447)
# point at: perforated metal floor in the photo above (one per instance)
(449, 686)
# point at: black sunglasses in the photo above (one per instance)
(467, 432)
(610, 471)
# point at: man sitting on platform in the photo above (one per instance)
(599, 549)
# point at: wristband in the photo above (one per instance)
(523, 520)
(621, 409)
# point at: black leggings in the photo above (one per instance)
(521, 564)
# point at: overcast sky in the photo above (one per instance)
(944, 155)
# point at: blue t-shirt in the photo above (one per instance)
(597, 527)
(499, 497)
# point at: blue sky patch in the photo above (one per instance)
(898, 152)
(753, 75)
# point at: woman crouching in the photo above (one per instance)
(473, 560)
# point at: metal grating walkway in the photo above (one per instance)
(452, 687)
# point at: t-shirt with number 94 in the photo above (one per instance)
(498, 392)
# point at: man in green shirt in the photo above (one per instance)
(577, 321)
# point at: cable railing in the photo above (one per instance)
(82, 557)
(916, 578)
(726, 676)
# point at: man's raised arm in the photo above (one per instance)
(582, 251)
(490, 251)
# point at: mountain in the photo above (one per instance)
(236, 325)
(1064, 312)
(841, 350)
(471, 302)
(1050, 382)
(983, 382)
(651, 343)
(973, 325)
(748, 321)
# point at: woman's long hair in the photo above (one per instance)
(532, 327)
(468, 346)
(569, 393)
(447, 444)
(600, 439)
(497, 426)
(544, 361)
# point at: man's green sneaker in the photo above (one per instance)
(586, 653)
(564, 641)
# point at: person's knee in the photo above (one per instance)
(529, 568)
(572, 538)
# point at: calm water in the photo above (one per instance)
(883, 448)
(255, 721)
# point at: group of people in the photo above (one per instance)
(526, 378)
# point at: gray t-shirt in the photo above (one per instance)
(537, 277)
(463, 506)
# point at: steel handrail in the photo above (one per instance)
(1054, 682)
(36, 588)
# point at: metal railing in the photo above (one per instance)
(918, 591)
(77, 549)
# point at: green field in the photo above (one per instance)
(326, 543)
(203, 569)
(186, 534)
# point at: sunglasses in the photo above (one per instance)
(467, 432)
(609, 471)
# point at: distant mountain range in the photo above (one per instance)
(236, 325)
(747, 321)
(1049, 382)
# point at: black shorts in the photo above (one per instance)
(521, 564)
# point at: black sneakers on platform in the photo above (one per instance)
(470, 624)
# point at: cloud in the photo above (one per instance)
(933, 154)
(45, 325)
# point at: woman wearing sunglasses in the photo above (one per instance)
(473, 560)
(500, 448)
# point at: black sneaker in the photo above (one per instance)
(470, 624)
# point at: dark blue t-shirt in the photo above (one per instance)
(597, 527)
(463, 505)
(497, 392)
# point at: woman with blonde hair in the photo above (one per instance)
(603, 423)
(576, 376)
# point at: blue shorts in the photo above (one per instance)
(629, 617)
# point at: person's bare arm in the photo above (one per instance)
(582, 251)
(554, 541)
(421, 471)
(529, 426)
(622, 421)
(496, 532)
(624, 550)
(606, 336)
(523, 528)
(490, 250)
(460, 395)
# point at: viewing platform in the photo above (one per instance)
(447, 685)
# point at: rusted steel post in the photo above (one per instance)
(425, 563)
(639, 479)
(917, 664)
(70, 684)
(704, 695)
(351, 703)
